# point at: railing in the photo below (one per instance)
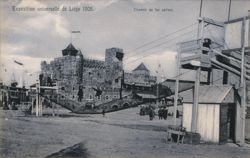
(80, 107)
(24, 106)
(194, 46)
(65, 102)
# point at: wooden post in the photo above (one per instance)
(53, 109)
(157, 89)
(243, 81)
(7, 97)
(40, 106)
(209, 77)
(197, 83)
(40, 101)
(37, 97)
(229, 9)
(32, 106)
(176, 86)
(200, 9)
(196, 101)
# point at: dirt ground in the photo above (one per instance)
(122, 134)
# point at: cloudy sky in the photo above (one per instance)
(33, 36)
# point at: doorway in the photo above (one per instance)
(227, 123)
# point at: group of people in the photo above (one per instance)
(163, 113)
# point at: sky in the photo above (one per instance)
(33, 36)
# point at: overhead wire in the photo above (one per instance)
(160, 45)
(166, 42)
(163, 37)
(146, 55)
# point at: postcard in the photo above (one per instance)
(124, 78)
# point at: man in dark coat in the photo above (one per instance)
(80, 94)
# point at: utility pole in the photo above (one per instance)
(176, 85)
(157, 88)
(243, 81)
(37, 97)
(200, 8)
(197, 78)
(196, 101)
(157, 91)
(229, 10)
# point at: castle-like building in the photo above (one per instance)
(99, 81)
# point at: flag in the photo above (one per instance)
(19, 63)
(75, 31)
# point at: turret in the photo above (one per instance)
(114, 55)
(79, 66)
(70, 50)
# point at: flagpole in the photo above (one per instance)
(71, 39)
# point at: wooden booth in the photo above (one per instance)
(216, 115)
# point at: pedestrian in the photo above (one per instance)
(80, 94)
(103, 112)
(5, 103)
(160, 113)
(165, 113)
(177, 114)
(151, 114)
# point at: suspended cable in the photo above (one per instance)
(160, 44)
(163, 37)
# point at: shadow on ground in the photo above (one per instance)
(76, 151)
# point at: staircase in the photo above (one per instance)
(66, 102)
(228, 60)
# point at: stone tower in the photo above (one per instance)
(79, 66)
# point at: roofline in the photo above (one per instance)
(209, 102)
(236, 20)
(187, 81)
(141, 69)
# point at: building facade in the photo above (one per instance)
(99, 81)
(140, 78)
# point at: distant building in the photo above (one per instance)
(12, 95)
(140, 78)
(99, 81)
(183, 84)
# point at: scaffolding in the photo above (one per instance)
(205, 54)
